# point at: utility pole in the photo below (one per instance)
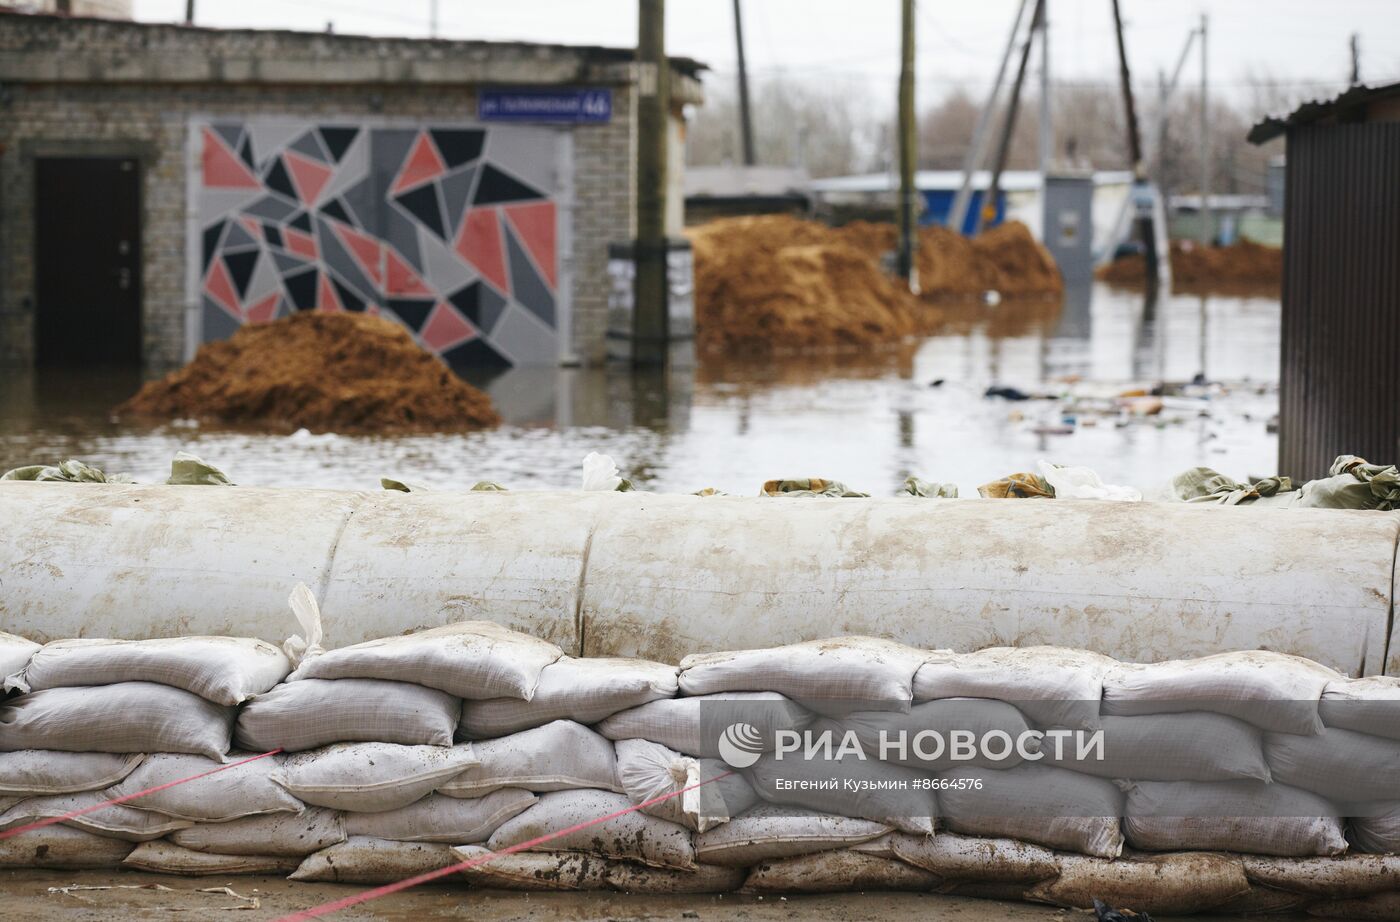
(189, 12)
(1142, 223)
(1013, 105)
(1047, 128)
(1355, 59)
(745, 116)
(650, 327)
(908, 151)
(1207, 231)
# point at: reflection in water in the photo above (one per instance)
(868, 420)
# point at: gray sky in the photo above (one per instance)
(1295, 43)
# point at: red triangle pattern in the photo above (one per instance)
(328, 301)
(400, 279)
(446, 328)
(479, 243)
(299, 243)
(221, 169)
(364, 248)
(252, 226)
(310, 177)
(423, 164)
(535, 224)
(220, 288)
(265, 311)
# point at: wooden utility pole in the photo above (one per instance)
(650, 331)
(1355, 58)
(1013, 106)
(1207, 229)
(189, 12)
(1143, 225)
(745, 116)
(908, 151)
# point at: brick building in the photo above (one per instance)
(161, 184)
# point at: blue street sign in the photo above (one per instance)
(496, 104)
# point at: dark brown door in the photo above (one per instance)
(87, 247)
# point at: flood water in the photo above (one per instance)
(867, 421)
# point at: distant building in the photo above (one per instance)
(161, 185)
(106, 9)
(732, 189)
(1233, 216)
(1341, 279)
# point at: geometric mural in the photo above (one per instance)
(451, 231)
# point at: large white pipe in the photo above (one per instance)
(662, 576)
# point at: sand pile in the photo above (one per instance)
(324, 372)
(1023, 266)
(1205, 268)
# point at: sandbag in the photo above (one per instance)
(1182, 883)
(1374, 827)
(116, 821)
(168, 858)
(470, 659)
(370, 777)
(1380, 906)
(584, 690)
(15, 653)
(1346, 877)
(1233, 816)
(633, 836)
(366, 860)
(877, 791)
(60, 848)
(283, 835)
(1042, 804)
(556, 757)
(1272, 691)
(442, 819)
(539, 870)
(1199, 746)
(939, 720)
(628, 877)
(224, 670)
(243, 790)
(1341, 765)
(693, 726)
(833, 677)
(29, 772)
(769, 832)
(837, 872)
(1370, 705)
(297, 716)
(961, 859)
(1052, 686)
(648, 771)
(127, 717)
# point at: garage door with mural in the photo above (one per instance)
(450, 230)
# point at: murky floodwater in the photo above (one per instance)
(868, 422)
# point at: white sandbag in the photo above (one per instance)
(282, 835)
(1341, 765)
(585, 690)
(628, 877)
(238, 791)
(127, 717)
(1374, 827)
(693, 726)
(15, 652)
(370, 777)
(532, 870)
(1052, 686)
(1345, 877)
(1035, 803)
(767, 833)
(470, 659)
(632, 836)
(1272, 691)
(224, 670)
(556, 757)
(117, 821)
(1199, 746)
(366, 860)
(61, 848)
(883, 847)
(713, 792)
(833, 677)
(938, 721)
(29, 772)
(837, 872)
(164, 857)
(297, 716)
(888, 794)
(1233, 816)
(963, 858)
(1169, 884)
(442, 819)
(1370, 705)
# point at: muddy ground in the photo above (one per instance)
(26, 895)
